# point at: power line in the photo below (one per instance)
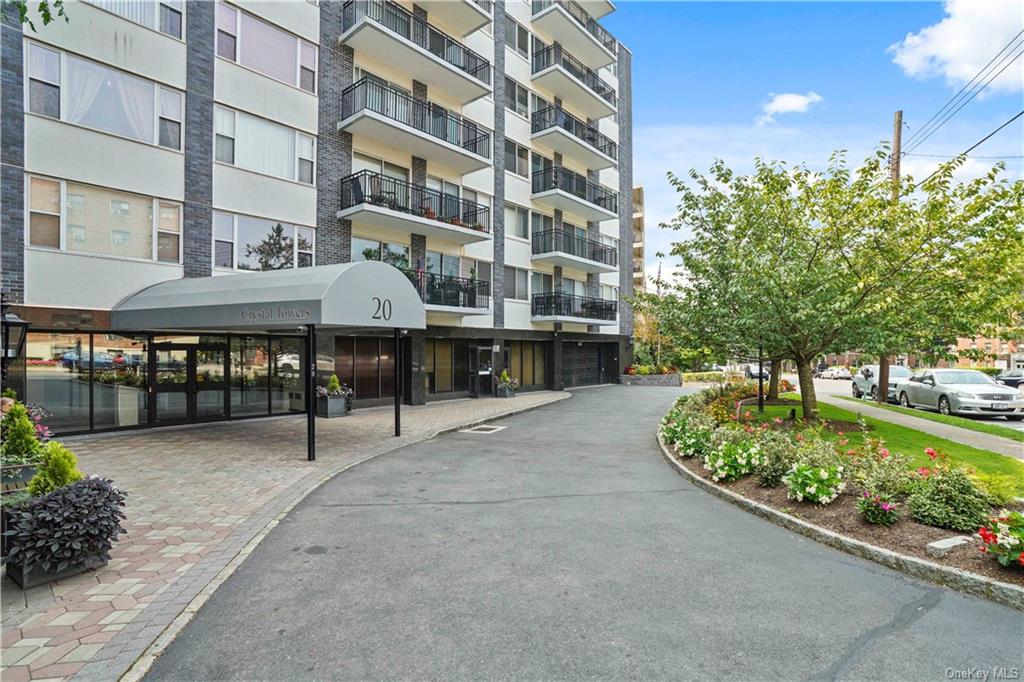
(953, 156)
(965, 102)
(976, 144)
(967, 85)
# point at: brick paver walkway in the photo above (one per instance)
(197, 497)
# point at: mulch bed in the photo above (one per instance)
(841, 516)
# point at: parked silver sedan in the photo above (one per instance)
(960, 391)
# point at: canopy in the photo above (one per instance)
(364, 294)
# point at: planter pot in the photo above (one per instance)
(17, 477)
(504, 392)
(331, 406)
(31, 576)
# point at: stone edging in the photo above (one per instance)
(199, 584)
(953, 578)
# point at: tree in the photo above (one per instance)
(48, 10)
(805, 263)
(275, 251)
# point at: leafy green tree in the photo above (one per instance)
(804, 263)
(48, 11)
(275, 251)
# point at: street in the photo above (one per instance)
(562, 547)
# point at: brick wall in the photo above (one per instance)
(12, 157)
(498, 152)
(197, 245)
(625, 191)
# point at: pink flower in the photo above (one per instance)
(851, 452)
(778, 420)
(844, 441)
(800, 437)
(885, 453)
(931, 453)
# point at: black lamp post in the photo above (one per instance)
(12, 336)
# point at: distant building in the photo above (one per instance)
(639, 276)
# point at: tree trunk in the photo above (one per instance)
(773, 384)
(807, 398)
(882, 390)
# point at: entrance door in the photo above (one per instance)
(481, 367)
(188, 383)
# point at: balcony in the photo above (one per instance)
(563, 189)
(565, 76)
(562, 132)
(390, 34)
(462, 16)
(374, 199)
(558, 247)
(576, 30)
(419, 127)
(448, 294)
(597, 8)
(561, 307)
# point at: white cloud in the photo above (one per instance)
(960, 45)
(787, 103)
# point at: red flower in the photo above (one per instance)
(885, 453)
(987, 536)
(931, 453)
(1020, 559)
(983, 549)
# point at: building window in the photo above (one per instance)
(609, 293)
(541, 223)
(263, 146)
(368, 249)
(517, 37)
(103, 221)
(164, 16)
(574, 286)
(541, 283)
(248, 243)
(102, 98)
(537, 103)
(516, 284)
(517, 158)
(517, 98)
(443, 264)
(517, 221)
(253, 43)
(43, 81)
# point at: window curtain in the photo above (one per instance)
(141, 11)
(84, 83)
(265, 147)
(137, 98)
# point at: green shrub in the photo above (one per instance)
(948, 498)
(703, 376)
(59, 467)
(333, 385)
(695, 440)
(813, 483)
(20, 444)
(878, 509)
(731, 456)
(9, 393)
(1001, 490)
(815, 451)
(881, 472)
(778, 453)
(991, 371)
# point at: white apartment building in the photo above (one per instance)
(484, 148)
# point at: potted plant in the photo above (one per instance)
(64, 532)
(20, 449)
(335, 399)
(505, 386)
(429, 213)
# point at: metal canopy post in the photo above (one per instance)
(311, 393)
(398, 382)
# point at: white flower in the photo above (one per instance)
(811, 489)
(823, 474)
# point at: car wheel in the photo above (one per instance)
(872, 394)
(904, 400)
(285, 368)
(1015, 417)
(856, 391)
(944, 406)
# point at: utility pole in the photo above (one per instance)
(882, 385)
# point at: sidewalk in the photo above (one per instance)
(198, 497)
(984, 441)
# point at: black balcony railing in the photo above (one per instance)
(557, 117)
(485, 4)
(566, 242)
(396, 18)
(570, 305)
(576, 185)
(582, 18)
(367, 187)
(555, 55)
(446, 290)
(423, 115)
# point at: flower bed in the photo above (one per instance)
(864, 492)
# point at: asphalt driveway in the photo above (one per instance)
(564, 547)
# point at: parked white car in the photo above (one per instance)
(865, 381)
(836, 373)
(961, 391)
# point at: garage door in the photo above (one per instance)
(581, 365)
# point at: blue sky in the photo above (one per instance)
(705, 71)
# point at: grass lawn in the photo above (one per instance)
(962, 422)
(911, 442)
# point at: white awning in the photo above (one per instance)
(364, 294)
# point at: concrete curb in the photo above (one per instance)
(953, 578)
(137, 668)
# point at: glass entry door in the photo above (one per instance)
(481, 364)
(188, 383)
